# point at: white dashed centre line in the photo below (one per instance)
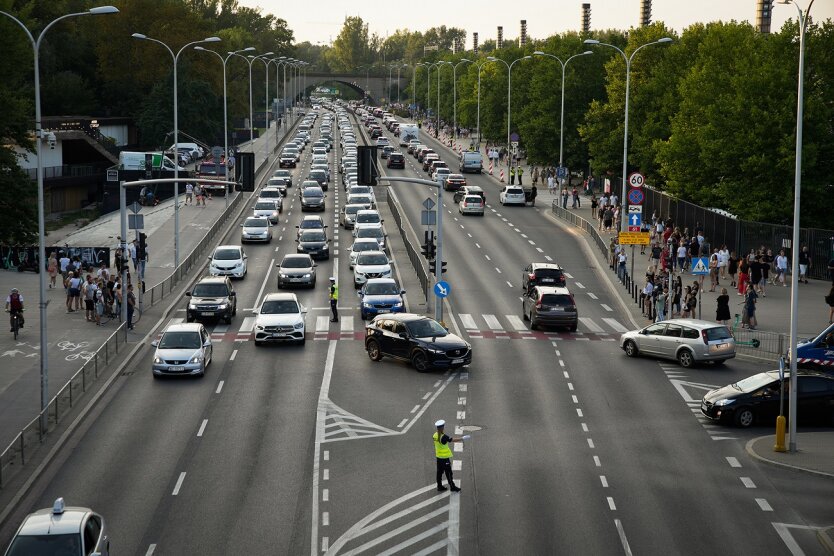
(579, 285)
(219, 387)
(604, 481)
(748, 482)
(487, 257)
(764, 505)
(509, 283)
(611, 505)
(202, 427)
(178, 486)
(597, 462)
(591, 443)
(606, 307)
(539, 249)
(733, 461)
(233, 355)
(498, 270)
(592, 295)
(478, 245)
(548, 257)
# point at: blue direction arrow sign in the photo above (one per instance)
(442, 289)
(635, 219)
(635, 196)
(700, 266)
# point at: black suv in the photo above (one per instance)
(212, 298)
(549, 306)
(396, 160)
(418, 339)
(545, 274)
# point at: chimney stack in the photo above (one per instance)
(499, 44)
(475, 42)
(586, 18)
(645, 12)
(522, 38)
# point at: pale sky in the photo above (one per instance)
(321, 20)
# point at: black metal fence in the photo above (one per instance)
(416, 258)
(742, 235)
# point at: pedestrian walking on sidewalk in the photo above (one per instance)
(131, 306)
(189, 192)
(749, 316)
(722, 310)
(660, 305)
(535, 175)
(805, 263)
(743, 270)
(575, 195)
(52, 269)
(781, 268)
(443, 456)
(564, 197)
(732, 268)
(551, 185)
(594, 205)
(533, 193)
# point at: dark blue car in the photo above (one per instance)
(379, 296)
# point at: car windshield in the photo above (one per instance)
(282, 174)
(367, 218)
(312, 236)
(372, 258)
(472, 199)
(718, 333)
(227, 254)
(279, 307)
(556, 299)
(256, 223)
(313, 192)
(514, 191)
(317, 174)
(46, 545)
(548, 273)
(360, 246)
(312, 223)
(265, 205)
(424, 328)
(360, 190)
(296, 262)
(180, 340)
(269, 194)
(352, 209)
(359, 199)
(210, 290)
(384, 288)
(375, 233)
(754, 382)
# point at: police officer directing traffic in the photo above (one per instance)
(443, 453)
(334, 299)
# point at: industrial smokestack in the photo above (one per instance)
(522, 38)
(475, 42)
(586, 18)
(499, 44)
(645, 12)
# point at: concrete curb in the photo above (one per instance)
(752, 453)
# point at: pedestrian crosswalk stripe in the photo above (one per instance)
(567, 275)
(220, 329)
(322, 324)
(613, 323)
(347, 323)
(590, 324)
(492, 322)
(467, 321)
(177, 320)
(248, 324)
(515, 322)
(606, 307)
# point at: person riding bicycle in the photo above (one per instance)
(14, 305)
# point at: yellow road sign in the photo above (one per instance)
(634, 238)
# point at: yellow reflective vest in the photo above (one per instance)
(442, 451)
(334, 292)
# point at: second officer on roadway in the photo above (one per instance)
(334, 299)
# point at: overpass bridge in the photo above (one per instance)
(375, 85)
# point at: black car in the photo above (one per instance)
(756, 399)
(320, 176)
(418, 339)
(396, 160)
(544, 274)
(312, 199)
(314, 243)
(548, 306)
(213, 297)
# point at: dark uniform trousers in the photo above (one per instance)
(444, 466)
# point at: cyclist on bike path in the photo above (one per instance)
(14, 305)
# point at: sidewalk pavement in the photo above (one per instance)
(816, 453)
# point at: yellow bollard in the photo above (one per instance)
(780, 435)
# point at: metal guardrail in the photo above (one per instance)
(771, 345)
(414, 255)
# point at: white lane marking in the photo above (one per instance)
(516, 229)
(591, 443)
(592, 295)
(325, 475)
(531, 242)
(764, 505)
(606, 307)
(178, 486)
(565, 373)
(611, 505)
(487, 257)
(428, 394)
(539, 249)
(202, 427)
(478, 245)
(590, 324)
(613, 323)
(567, 275)
(402, 423)
(233, 355)
(467, 322)
(733, 461)
(325, 521)
(467, 233)
(322, 324)
(574, 399)
(524, 236)
(748, 482)
(570, 387)
(548, 257)
(515, 322)
(585, 427)
(277, 247)
(492, 322)
(509, 283)
(347, 323)
(321, 413)
(248, 324)
(579, 285)
(579, 413)
(623, 539)
(498, 270)
(783, 530)
(219, 387)
(325, 494)
(597, 462)
(604, 481)
(415, 409)
(151, 548)
(327, 455)
(561, 363)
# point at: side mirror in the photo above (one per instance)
(187, 294)
(207, 344)
(245, 257)
(402, 292)
(155, 343)
(256, 311)
(315, 265)
(241, 225)
(233, 294)
(403, 335)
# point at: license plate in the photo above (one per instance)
(277, 335)
(206, 314)
(456, 361)
(381, 311)
(295, 279)
(177, 369)
(547, 280)
(721, 346)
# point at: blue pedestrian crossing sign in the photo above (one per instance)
(442, 289)
(700, 266)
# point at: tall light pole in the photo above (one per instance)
(478, 120)
(509, 96)
(42, 301)
(399, 67)
(440, 64)
(562, 117)
(225, 107)
(176, 58)
(594, 42)
(265, 59)
(277, 62)
(797, 187)
(249, 60)
(455, 96)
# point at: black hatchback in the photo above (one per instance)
(543, 274)
(755, 399)
(418, 339)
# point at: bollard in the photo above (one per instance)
(780, 435)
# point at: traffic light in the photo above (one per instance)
(143, 245)
(429, 248)
(433, 267)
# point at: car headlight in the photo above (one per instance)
(386, 272)
(298, 325)
(259, 327)
(398, 305)
(282, 275)
(192, 306)
(433, 350)
(222, 306)
(722, 403)
(157, 360)
(306, 275)
(196, 359)
(367, 305)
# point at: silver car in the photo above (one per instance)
(183, 349)
(688, 341)
(296, 270)
(61, 530)
(256, 228)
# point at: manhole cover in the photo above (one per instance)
(471, 428)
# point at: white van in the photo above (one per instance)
(136, 161)
(471, 162)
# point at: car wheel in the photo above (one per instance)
(745, 417)
(630, 348)
(373, 350)
(228, 319)
(573, 327)
(189, 318)
(258, 344)
(719, 363)
(420, 361)
(523, 314)
(303, 340)
(685, 358)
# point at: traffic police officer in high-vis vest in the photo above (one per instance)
(334, 299)
(443, 453)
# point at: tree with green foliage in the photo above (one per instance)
(351, 48)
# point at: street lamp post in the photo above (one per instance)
(225, 107)
(440, 64)
(265, 59)
(455, 96)
(176, 137)
(42, 302)
(594, 42)
(478, 118)
(800, 101)
(399, 67)
(562, 117)
(509, 97)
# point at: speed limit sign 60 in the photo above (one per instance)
(636, 180)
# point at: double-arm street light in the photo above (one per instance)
(265, 59)
(42, 302)
(225, 106)
(594, 42)
(562, 117)
(277, 62)
(249, 59)
(455, 96)
(440, 64)
(797, 187)
(478, 117)
(176, 58)
(509, 95)
(399, 67)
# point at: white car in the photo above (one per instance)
(256, 228)
(370, 264)
(228, 260)
(183, 349)
(441, 174)
(61, 529)
(280, 318)
(266, 208)
(272, 194)
(382, 141)
(361, 246)
(362, 190)
(511, 195)
(471, 204)
(371, 233)
(366, 219)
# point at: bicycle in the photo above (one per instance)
(15, 321)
